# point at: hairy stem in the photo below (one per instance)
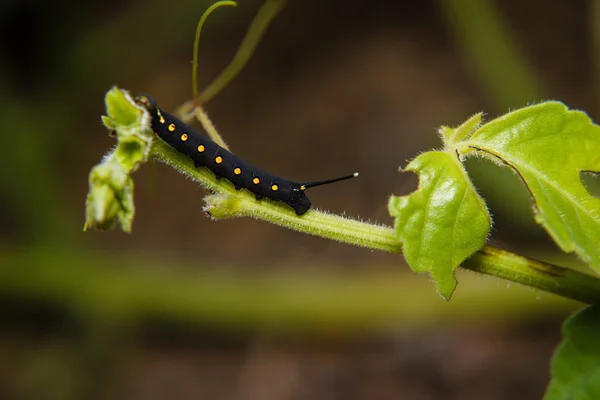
(548, 277)
(208, 126)
(230, 203)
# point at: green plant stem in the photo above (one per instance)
(208, 11)
(314, 222)
(540, 275)
(188, 111)
(208, 126)
(257, 29)
(227, 202)
(261, 22)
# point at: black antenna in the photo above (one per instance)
(305, 186)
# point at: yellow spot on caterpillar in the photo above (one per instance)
(237, 171)
(274, 188)
(184, 137)
(162, 119)
(302, 187)
(201, 149)
(218, 159)
(171, 127)
(256, 181)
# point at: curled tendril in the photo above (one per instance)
(257, 29)
(197, 40)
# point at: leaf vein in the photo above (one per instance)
(549, 182)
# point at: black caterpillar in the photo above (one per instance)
(206, 153)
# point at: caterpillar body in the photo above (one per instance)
(206, 153)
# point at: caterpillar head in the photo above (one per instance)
(300, 201)
(149, 104)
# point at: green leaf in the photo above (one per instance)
(445, 220)
(576, 363)
(121, 110)
(110, 197)
(452, 136)
(549, 146)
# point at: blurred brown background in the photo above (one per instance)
(185, 307)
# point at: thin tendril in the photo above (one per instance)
(197, 40)
(261, 22)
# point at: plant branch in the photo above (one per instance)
(227, 202)
(257, 29)
(551, 278)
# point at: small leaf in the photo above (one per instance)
(576, 363)
(120, 109)
(443, 222)
(451, 136)
(110, 196)
(549, 146)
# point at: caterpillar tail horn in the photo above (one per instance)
(307, 185)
